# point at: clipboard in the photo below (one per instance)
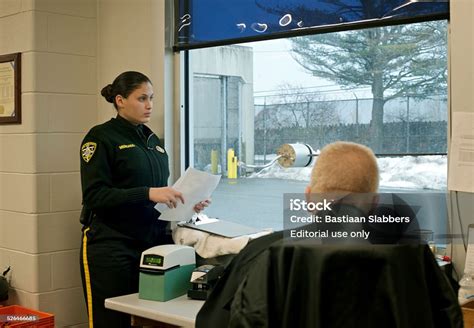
(222, 228)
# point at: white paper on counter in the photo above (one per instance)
(195, 186)
(461, 159)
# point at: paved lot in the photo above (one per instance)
(259, 203)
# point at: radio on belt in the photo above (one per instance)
(165, 272)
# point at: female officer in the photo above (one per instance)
(124, 173)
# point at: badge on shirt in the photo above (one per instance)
(88, 150)
(161, 150)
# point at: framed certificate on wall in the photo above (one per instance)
(10, 89)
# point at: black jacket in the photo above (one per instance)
(305, 285)
(119, 163)
(285, 282)
(216, 310)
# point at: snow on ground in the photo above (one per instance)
(411, 172)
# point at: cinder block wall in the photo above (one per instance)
(39, 160)
(70, 49)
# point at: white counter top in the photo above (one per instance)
(180, 311)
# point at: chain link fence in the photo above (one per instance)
(411, 124)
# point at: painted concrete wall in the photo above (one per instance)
(131, 38)
(70, 49)
(461, 77)
(40, 194)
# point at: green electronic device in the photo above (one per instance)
(165, 272)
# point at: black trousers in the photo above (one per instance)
(109, 268)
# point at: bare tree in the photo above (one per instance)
(299, 107)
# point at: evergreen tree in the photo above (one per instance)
(393, 61)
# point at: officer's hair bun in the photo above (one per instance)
(108, 93)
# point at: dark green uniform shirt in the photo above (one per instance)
(119, 163)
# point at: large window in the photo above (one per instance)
(384, 87)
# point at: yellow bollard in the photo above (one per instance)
(231, 164)
(214, 161)
(234, 167)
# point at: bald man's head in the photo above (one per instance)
(345, 167)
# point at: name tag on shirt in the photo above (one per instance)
(126, 146)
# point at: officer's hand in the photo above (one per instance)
(166, 195)
(201, 205)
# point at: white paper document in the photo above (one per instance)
(461, 161)
(195, 186)
(469, 262)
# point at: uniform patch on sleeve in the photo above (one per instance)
(88, 150)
